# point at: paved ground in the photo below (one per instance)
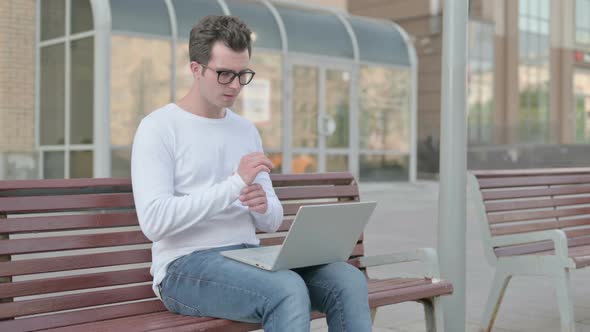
(406, 218)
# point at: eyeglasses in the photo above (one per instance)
(227, 76)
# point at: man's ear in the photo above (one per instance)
(195, 68)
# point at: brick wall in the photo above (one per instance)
(17, 81)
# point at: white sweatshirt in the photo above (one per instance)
(185, 194)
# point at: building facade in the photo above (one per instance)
(333, 92)
(528, 79)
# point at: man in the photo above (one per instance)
(201, 185)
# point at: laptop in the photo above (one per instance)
(320, 234)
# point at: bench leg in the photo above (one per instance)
(501, 280)
(373, 314)
(565, 301)
(433, 315)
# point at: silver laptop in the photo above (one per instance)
(320, 234)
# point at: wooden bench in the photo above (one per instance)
(534, 222)
(74, 258)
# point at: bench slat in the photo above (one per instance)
(313, 192)
(65, 263)
(68, 222)
(70, 283)
(503, 229)
(65, 302)
(37, 204)
(527, 180)
(83, 316)
(291, 180)
(56, 243)
(6, 185)
(290, 209)
(536, 215)
(535, 204)
(401, 290)
(537, 247)
(537, 192)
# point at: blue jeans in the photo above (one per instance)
(205, 283)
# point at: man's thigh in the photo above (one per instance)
(338, 278)
(208, 284)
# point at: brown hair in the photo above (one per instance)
(232, 31)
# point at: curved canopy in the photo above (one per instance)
(283, 26)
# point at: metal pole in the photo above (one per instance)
(453, 162)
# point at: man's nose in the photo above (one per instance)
(235, 84)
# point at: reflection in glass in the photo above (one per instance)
(53, 22)
(337, 108)
(52, 107)
(378, 42)
(189, 12)
(149, 17)
(384, 119)
(277, 161)
(304, 163)
(121, 162)
(582, 22)
(265, 32)
(481, 83)
(82, 88)
(261, 100)
(53, 165)
(140, 83)
(305, 107)
(378, 167)
(81, 17)
(329, 34)
(534, 71)
(582, 105)
(336, 163)
(81, 164)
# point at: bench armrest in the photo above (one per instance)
(556, 235)
(427, 256)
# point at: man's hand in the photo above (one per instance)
(254, 197)
(252, 164)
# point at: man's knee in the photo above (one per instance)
(292, 290)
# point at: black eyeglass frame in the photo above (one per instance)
(234, 75)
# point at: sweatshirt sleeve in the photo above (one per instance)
(161, 213)
(273, 217)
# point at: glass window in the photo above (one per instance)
(81, 164)
(53, 22)
(145, 16)
(379, 42)
(53, 165)
(140, 83)
(337, 109)
(81, 18)
(121, 163)
(52, 106)
(384, 118)
(189, 12)
(336, 163)
(582, 105)
(305, 107)
(261, 100)
(582, 22)
(534, 71)
(82, 91)
(304, 163)
(383, 167)
(315, 32)
(265, 32)
(481, 83)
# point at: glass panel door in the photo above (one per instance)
(320, 118)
